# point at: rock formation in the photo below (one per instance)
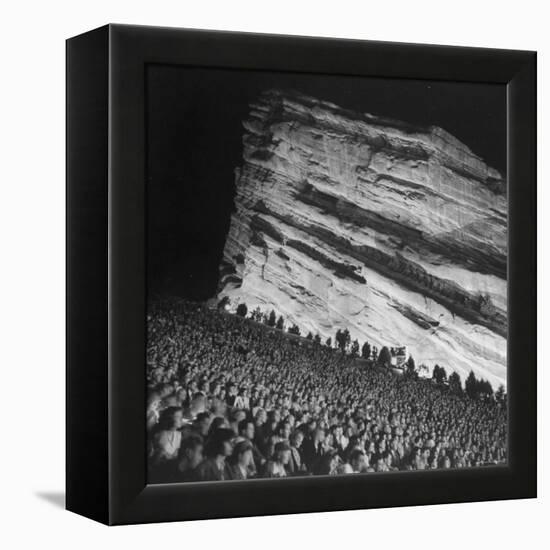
(348, 220)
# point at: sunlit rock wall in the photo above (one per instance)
(398, 233)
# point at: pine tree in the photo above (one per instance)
(455, 384)
(384, 358)
(272, 319)
(375, 354)
(317, 339)
(410, 368)
(485, 390)
(328, 343)
(346, 338)
(343, 339)
(242, 310)
(294, 329)
(257, 315)
(355, 348)
(309, 336)
(280, 323)
(365, 351)
(439, 374)
(471, 386)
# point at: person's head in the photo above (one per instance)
(285, 430)
(328, 464)
(281, 452)
(380, 463)
(202, 423)
(220, 443)
(190, 453)
(237, 416)
(197, 404)
(297, 438)
(242, 453)
(171, 418)
(181, 394)
(156, 375)
(246, 429)
(274, 416)
(345, 469)
(164, 390)
(153, 402)
(358, 460)
(216, 423)
(260, 417)
(217, 406)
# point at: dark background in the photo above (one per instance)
(194, 131)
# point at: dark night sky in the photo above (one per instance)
(194, 119)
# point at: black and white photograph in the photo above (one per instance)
(326, 275)
(274, 275)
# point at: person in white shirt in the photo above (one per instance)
(242, 401)
(167, 439)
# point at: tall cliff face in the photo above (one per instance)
(398, 233)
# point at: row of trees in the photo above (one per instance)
(482, 389)
(342, 338)
(473, 387)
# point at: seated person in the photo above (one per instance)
(189, 457)
(241, 461)
(218, 448)
(276, 467)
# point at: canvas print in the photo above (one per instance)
(327, 275)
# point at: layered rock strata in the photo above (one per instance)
(348, 220)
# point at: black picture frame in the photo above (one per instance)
(106, 279)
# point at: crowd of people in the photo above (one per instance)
(229, 398)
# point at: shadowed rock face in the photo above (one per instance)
(397, 233)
